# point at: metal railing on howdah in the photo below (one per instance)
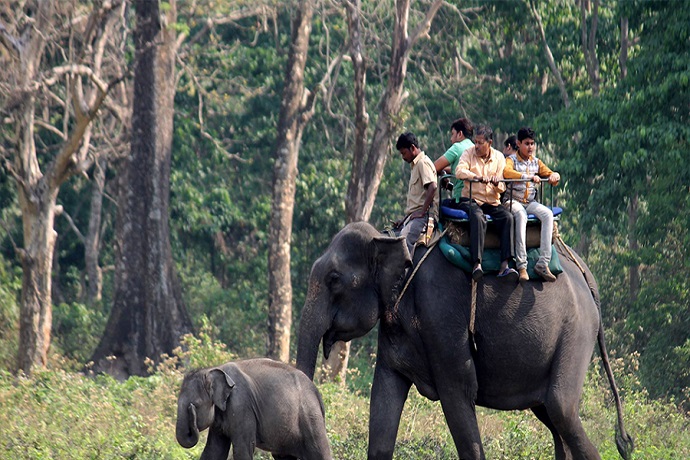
(509, 182)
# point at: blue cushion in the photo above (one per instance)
(453, 213)
(457, 214)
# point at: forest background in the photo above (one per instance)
(605, 85)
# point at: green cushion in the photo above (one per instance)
(491, 260)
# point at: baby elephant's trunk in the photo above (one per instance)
(186, 431)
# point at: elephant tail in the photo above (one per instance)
(624, 442)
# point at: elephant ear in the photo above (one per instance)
(221, 386)
(391, 258)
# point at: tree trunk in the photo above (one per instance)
(92, 241)
(549, 56)
(623, 58)
(37, 203)
(293, 117)
(355, 187)
(634, 273)
(38, 190)
(37, 262)
(367, 167)
(148, 316)
(335, 367)
(589, 45)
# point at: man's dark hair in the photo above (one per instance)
(407, 140)
(512, 141)
(526, 133)
(486, 131)
(464, 126)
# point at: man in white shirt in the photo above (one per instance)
(422, 199)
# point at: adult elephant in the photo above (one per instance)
(534, 341)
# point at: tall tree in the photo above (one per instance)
(368, 164)
(589, 43)
(27, 99)
(295, 111)
(549, 55)
(148, 315)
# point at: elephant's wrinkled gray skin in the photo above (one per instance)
(535, 341)
(252, 403)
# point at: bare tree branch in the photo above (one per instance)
(50, 128)
(9, 41)
(549, 55)
(200, 113)
(73, 226)
(424, 26)
(77, 69)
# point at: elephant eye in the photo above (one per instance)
(334, 281)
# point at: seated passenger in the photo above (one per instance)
(460, 135)
(524, 165)
(422, 200)
(510, 146)
(485, 164)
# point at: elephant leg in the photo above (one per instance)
(566, 419)
(317, 446)
(388, 395)
(461, 417)
(563, 397)
(217, 446)
(562, 453)
(283, 457)
(244, 451)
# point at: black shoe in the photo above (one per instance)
(477, 273)
(509, 274)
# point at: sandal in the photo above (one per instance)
(509, 274)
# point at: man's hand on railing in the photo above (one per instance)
(488, 179)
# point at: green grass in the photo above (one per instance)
(60, 414)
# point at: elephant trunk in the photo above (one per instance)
(187, 432)
(314, 323)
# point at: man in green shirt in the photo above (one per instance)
(461, 132)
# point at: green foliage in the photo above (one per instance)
(201, 350)
(10, 287)
(630, 141)
(77, 328)
(58, 415)
(627, 183)
(62, 415)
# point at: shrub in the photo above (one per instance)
(10, 286)
(57, 414)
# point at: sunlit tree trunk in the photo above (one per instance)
(148, 316)
(294, 113)
(92, 240)
(38, 189)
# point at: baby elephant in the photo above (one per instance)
(252, 403)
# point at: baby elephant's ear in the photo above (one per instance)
(221, 385)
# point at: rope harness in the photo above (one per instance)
(565, 249)
(416, 268)
(473, 305)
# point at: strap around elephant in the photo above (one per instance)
(414, 272)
